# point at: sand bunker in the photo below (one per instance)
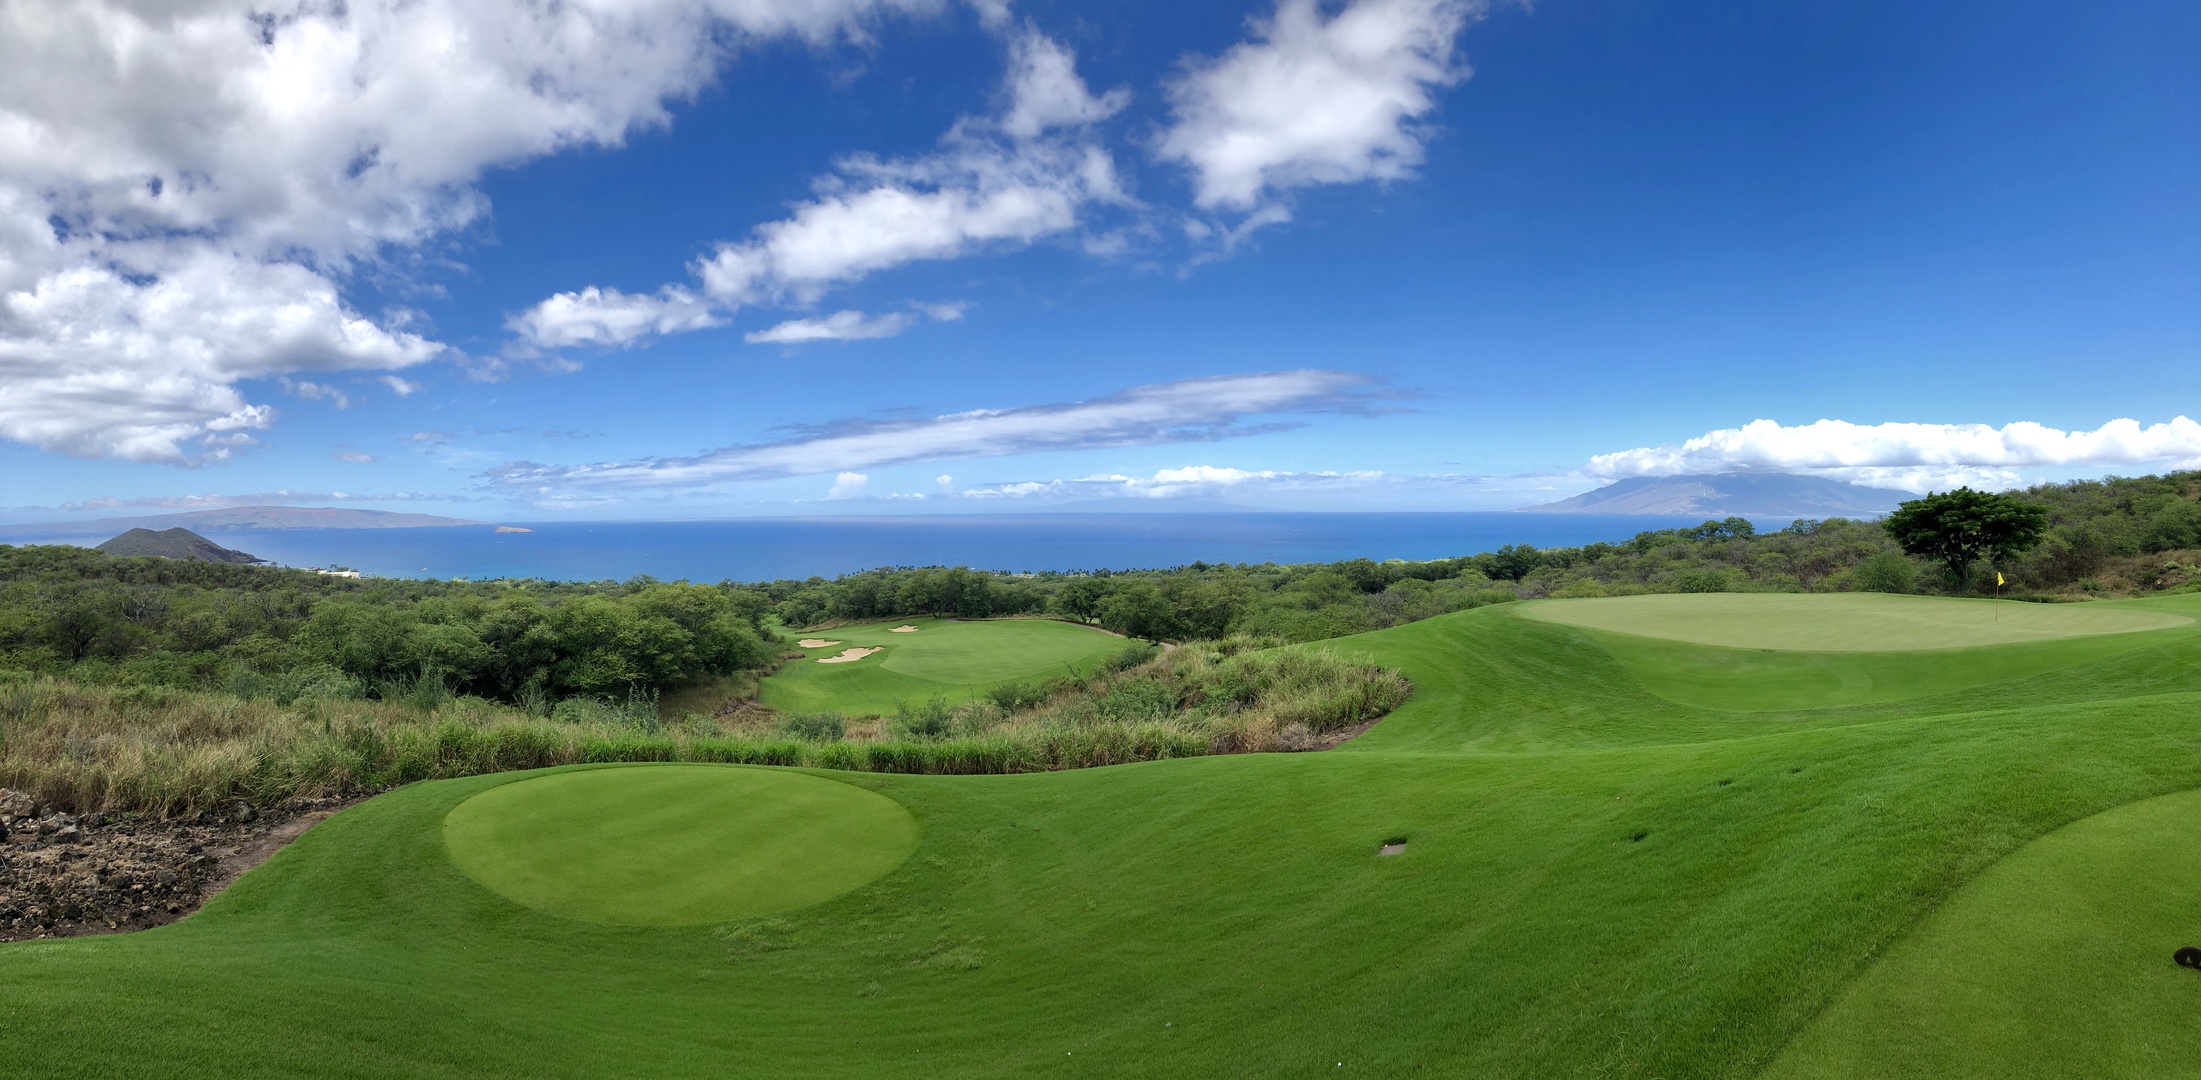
(905, 630)
(816, 643)
(850, 655)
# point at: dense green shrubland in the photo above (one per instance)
(2108, 537)
(163, 622)
(145, 621)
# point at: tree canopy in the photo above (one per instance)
(1963, 527)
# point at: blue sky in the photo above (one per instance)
(670, 260)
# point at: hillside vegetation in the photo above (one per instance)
(97, 619)
(1597, 879)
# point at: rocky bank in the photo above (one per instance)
(64, 875)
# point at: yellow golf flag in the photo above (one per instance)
(1998, 579)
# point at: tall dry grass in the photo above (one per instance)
(173, 752)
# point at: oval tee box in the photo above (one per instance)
(676, 845)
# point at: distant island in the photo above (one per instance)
(1745, 494)
(175, 544)
(243, 518)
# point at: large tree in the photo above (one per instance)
(1962, 527)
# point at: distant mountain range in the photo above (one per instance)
(174, 544)
(242, 518)
(1742, 494)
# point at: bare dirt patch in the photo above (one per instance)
(816, 643)
(64, 875)
(850, 655)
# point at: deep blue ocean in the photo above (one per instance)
(769, 548)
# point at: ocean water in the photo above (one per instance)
(771, 548)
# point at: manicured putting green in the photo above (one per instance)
(672, 845)
(1844, 622)
(2055, 962)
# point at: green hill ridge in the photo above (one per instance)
(174, 544)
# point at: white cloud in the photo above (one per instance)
(1314, 99)
(1190, 410)
(847, 485)
(839, 326)
(993, 184)
(1320, 490)
(944, 480)
(1913, 456)
(1190, 481)
(949, 312)
(402, 387)
(358, 456)
(212, 501)
(851, 325)
(1045, 91)
(608, 317)
(313, 391)
(100, 364)
(183, 186)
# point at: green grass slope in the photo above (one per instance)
(1598, 881)
(942, 657)
(1844, 622)
(2053, 963)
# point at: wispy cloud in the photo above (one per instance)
(853, 325)
(1189, 410)
(1914, 456)
(839, 326)
(1190, 481)
(354, 455)
(994, 183)
(213, 501)
(313, 391)
(1313, 489)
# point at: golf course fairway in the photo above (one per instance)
(932, 658)
(669, 845)
(2082, 919)
(1599, 879)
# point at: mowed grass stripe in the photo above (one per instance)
(671, 845)
(1844, 622)
(1766, 680)
(2056, 962)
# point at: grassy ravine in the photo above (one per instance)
(176, 752)
(1598, 882)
